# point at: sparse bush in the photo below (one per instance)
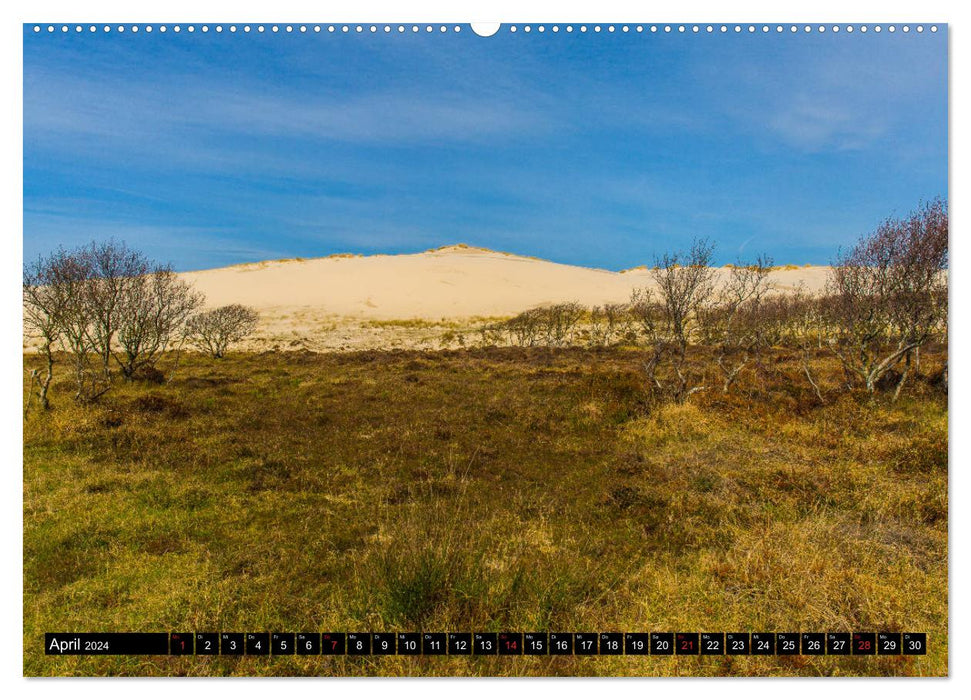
(45, 304)
(523, 329)
(558, 322)
(609, 323)
(733, 324)
(888, 295)
(670, 317)
(796, 320)
(215, 330)
(104, 301)
(151, 316)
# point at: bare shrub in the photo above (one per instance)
(69, 275)
(45, 305)
(797, 320)
(151, 315)
(610, 323)
(733, 323)
(888, 295)
(558, 322)
(215, 330)
(524, 328)
(669, 318)
(116, 273)
(103, 303)
(492, 334)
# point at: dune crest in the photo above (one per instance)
(451, 282)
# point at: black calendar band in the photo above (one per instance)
(273, 644)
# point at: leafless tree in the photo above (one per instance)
(889, 294)
(609, 323)
(524, 328)
(669, 318)
(117, 272)
(557, 322)
(215, 330)
(492, 334)
(151, 314)
(733, 323)
(797, 320)
(103, 301)
(45, 304)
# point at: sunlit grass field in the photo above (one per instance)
(484, 490)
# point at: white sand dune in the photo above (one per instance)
(451, 283)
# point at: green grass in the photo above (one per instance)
(498, 489)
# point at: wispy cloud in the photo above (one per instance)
(61, 106)
(606, 149)
(814, 123)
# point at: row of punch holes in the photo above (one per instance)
(414, 28)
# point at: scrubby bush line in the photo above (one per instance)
(885, 299)
(110, 309)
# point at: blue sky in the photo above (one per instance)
(594, 149)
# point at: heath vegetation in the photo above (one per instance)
(703, 457)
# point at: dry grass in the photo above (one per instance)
(493, 489)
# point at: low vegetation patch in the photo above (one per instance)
(485, 489)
